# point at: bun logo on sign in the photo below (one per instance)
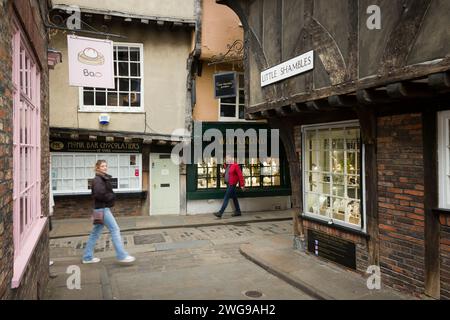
(91, 62)
(56, 146)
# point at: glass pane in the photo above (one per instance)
(122, 54)
(112, 99)
(124, 183)
(338, 161)
(312, 201)
(241, 112)
(88, 98)
(135, 70)
(124, 172)
(267, 181)
(241, 97)
(135, 99)
(123, 69)
(100, 98)
(276, 181)
(241, 80)
(136, 85)
(228, 111)
(325, 161)
(124, 160)
(124, 84)
(339, 208)
(202, 184)
(231, 100)
(135, 54)
(124, 99)
(256, 181)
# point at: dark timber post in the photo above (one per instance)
(432, 227)
(287, 136)
(368, 121)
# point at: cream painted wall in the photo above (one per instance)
(220, 27)
(165, 85)
(206, 108)
(182, 9)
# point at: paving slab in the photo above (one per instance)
(310, 274)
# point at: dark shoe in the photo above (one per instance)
(218, 215)
(237, 214)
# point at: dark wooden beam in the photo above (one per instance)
(371, 96)
(342, 101)
(439, 81)
(318, 105)
(401, 90)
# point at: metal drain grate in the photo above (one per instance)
(149, 239)
(253, 294)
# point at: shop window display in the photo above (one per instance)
(332, 173)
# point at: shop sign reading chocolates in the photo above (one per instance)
(95, 146)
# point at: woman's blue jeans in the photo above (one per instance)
(113, 227)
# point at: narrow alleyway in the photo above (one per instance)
(184, 263)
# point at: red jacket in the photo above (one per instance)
(235, 175)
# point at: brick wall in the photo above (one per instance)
(445, 257)
(401, 202)
(81, 207)
(36, 275)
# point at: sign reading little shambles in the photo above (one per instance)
(95, 146)
(91, 62)
(288, 69)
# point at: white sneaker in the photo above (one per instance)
(94, 260)
(128, 259)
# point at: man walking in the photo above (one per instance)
(233, 176)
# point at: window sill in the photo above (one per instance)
(22, 260)
(336, 226)
(136, 110)
(439, 211)
(87, 195)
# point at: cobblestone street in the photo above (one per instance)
(185, 263)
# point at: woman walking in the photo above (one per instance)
(104, 197)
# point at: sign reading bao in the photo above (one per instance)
(288, 69)
(91, 62)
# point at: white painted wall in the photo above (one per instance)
(247, 205)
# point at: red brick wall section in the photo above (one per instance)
(72, 208)
(445, 257)
(36, 276)
(401, 202)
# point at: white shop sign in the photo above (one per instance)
(288, 69)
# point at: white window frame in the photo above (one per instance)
(331, 222)
(141, 109)
(99, 156)
(444, 159)
(236, 118)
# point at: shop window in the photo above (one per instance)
(233, 109)
(72, 173)
(444, 159)
(28, 223)
(210, 175)
(128, 92)
(332, 173)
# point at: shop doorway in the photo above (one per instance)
(164, 185)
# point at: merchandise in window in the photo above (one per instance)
(332, 173)
(256, 174)
(444, 159)
(128, 81)
(74, 172)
